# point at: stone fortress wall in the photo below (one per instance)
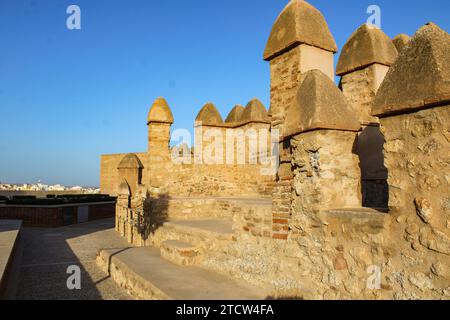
(359, 207)
(218, 176)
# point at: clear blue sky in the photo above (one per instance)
(66, 97)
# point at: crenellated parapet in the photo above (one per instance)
(321, 169)
(159, 121)
(235, 114)
(227, 142)
(299, 23)
(401, 41)
(300, 41)
(363, 64)
(209, 116)
(413, 105)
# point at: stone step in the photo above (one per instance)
(181, 253)
(146, 275)
(216, 228)
(206, 234)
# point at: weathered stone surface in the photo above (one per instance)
(160, 112)
(424, 210)
(209, 115)
(124, 188)
(366, 46)
(130, 169)
(440, 269)
(400, 41)
(415, 166)
(420, 77)
(235, 114)
(181, 253)
(130, 161)
(299, 23)
(286, 72)
(421, 281)
(255, 112)
(326, 174)
(340, 263)
(360, 88)
(319, 105)
(436, 241)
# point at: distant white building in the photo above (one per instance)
(56, 187)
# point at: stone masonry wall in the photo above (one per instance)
(284, 78)
(326, 173)
(417, 154)
(286, 73)
(360, 88)
(164, 176)
(342, 253)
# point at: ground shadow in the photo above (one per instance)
(48, 252)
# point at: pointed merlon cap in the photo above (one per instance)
(160, 112)
(124, 188)
(209, 116)
(255, 112)
(366, 46)
(130, 161)
(298, 23)
(319, 104)
(235, 114)
(420, 77)
(401, 41)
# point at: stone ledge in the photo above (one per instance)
(359, 220)
(262, 201)
(9, 235)
(208, 229)
(145, 275)
(357, 212)
(181, 253)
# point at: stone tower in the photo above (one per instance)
(300, 41)
(159, 121)
(322, 129)
(362, 65)
(208, 118)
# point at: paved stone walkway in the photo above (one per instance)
(47, 253)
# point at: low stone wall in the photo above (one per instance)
(59, 215)
(9, 237)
